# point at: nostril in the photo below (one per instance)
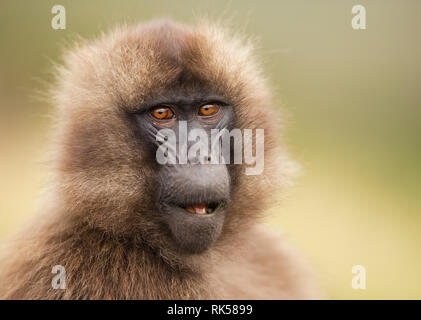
(206, 160)
(200, 160)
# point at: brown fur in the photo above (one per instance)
(101, 224)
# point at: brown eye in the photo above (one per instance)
(208, 110)
(162, 113)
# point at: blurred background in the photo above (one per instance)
(354, 99)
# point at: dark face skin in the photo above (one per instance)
(191, 198)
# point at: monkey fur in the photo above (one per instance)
(100, 220)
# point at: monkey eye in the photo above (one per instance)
(208, 110)
(162, 113)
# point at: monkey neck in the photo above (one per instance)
(121, 267)
(101, 266)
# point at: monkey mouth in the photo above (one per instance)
(194, 225)
(203, 208)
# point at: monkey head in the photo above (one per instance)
(115, 94)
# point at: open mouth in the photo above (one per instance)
(201, 209)
(194, 225)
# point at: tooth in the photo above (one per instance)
(200, 209)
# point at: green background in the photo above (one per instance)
(353, 99)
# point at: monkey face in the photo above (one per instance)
(116, 94)
(191, 195)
